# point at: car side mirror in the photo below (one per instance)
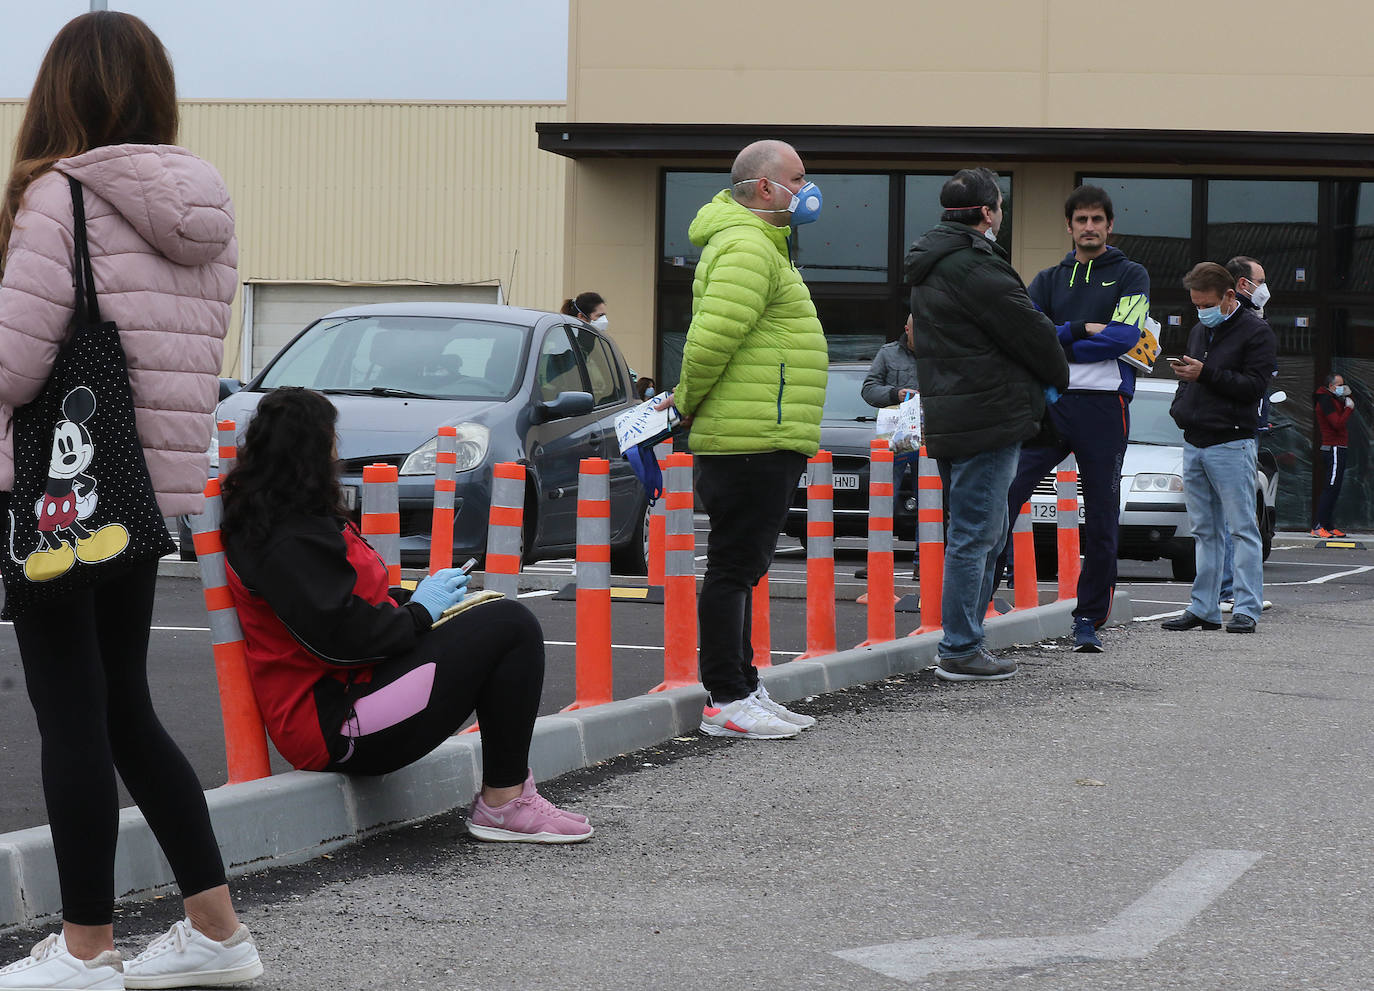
(227, 387)
(564, 405)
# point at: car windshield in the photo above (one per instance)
(1150, 419)
(843, 398)
(423, 357)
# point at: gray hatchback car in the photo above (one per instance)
(519, 385)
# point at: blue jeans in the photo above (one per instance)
(1228, 568)
(974, 536)
(1219, 488)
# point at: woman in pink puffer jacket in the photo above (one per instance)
(161, 233)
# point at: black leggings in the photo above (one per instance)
(85, 661)
(489, 658)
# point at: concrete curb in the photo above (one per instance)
(294, 817)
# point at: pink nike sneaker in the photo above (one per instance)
(527, 818)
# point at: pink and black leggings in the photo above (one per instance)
(489, 659)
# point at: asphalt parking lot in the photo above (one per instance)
(1297, 576)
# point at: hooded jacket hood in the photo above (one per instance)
(941, 241)
(724, 212)
(175, 201)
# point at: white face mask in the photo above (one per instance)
(1261, 295)
(600, 323)
(990, 234)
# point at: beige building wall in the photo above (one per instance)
(1241, 64)
(445, 193)
(1168, 64)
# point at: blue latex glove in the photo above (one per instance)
(440, 591)
(1051, 395)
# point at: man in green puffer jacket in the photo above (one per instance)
(753, 383)
(985, 358)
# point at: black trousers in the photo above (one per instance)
(1095, 427)
(746, 496)
(1333, 464)
(85, 664)
(489, 659)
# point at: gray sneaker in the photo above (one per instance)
(982, 666)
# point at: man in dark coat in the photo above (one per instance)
(986, 360)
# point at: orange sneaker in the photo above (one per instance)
(1336, 532)
(1322, 532)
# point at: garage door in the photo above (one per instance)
(282, 310)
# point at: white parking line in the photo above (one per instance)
(1325, 578)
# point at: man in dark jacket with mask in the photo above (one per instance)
(985, 358)
(1222, 377)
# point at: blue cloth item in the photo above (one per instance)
(441, 590)
(1110, 289)
(645, 464)
(1228, 568)
(1219, 488)
(974, 538)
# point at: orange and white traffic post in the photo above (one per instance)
(381, 523)
(882, 621)
(930, 534)
(505, 528)
(593, 584)
(245, 739)
(820, 557)
(680, 577)
(1066, 523)
(760, 624)
(658, 522)
(1023, 554)
(445, 485)
(228, 446)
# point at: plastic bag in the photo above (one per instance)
(906, 431)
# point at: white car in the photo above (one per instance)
(1154, 519)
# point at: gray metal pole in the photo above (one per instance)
(100, 4)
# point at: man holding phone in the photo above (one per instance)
(1223, 375)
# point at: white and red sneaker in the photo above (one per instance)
(746, 719)
(781, 711)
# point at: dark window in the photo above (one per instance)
(608, 384)
(1153, 226)
(921, 208)
(1272, 220)
(1353, 237)
(558, 370)
(849, 241)
(684, 193)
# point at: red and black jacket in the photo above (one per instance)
(1332, 417)
(316, 612)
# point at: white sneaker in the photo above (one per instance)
(1228, 604)
(184, 958)
(747, 719)
(51, 967)
(762, 697)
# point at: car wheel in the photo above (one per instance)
(632, 557)
(1184, 568)
(1266, 528)
(186, 547)
(1046, 560)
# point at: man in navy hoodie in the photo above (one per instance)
(1099, 300)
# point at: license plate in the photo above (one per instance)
(843, 480)
(350, 496)
(1046, 511)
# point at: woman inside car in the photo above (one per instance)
(356, 677)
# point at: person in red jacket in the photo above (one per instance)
(1334, 407)
(356, 677)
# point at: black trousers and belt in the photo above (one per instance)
(747, 497)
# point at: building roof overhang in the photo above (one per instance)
(1019, 144)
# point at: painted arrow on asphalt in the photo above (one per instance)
(1162, 912)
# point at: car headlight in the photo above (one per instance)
(473, 440)
(1157, 483)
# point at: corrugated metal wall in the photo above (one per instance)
(374, 192)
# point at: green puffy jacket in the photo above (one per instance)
(754, 367)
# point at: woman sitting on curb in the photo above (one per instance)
(354, 677)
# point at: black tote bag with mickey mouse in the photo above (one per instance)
(83, 507)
